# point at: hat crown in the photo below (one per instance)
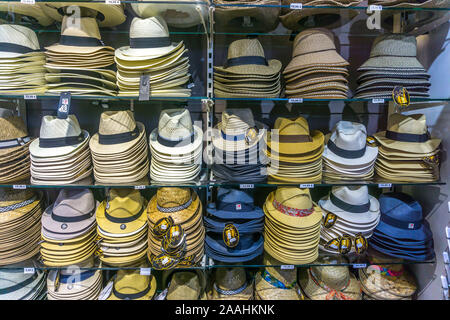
(11, 126)
(237, 120)
(394, 45)
(175, 124)
(168, 197)
(313, 40)
(114, 122)
(130, 281)
(15, 34)
(335, 277)
(244, 48)
(54, 127)
(124, 202)
(294, 197)
(227, 196)
(184, 285)
(349, 135)
(10, 197)
(153, 27)
(74, 202)
(287, 126)
(356, 195)
(400, 206)
(80, 27)
(414, 124)
(230, 278)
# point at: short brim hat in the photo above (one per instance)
(185, 149)
(37, 151)
(369, 156)
(148, 296)
(112, 227)
(134, 54)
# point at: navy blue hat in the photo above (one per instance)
(234, 204)
(249, 247)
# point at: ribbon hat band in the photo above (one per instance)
(80, 41)
(292, 211)
(353, 208)
(244, 60)
(348, 154)
(407, 137)
(132, 296)
(72, 219)
(119, 137)
(147, 43)
(126, 219)
(175, 209)
(60, 142)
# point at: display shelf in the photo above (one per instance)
(31, 97)
(328, 7)
(295, 100)
(205, 3)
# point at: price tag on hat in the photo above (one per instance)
(145, 271)
(377, 100)
(296, 6)
(385, 185)
(27, 1)
(116, 2)
(287, 267)
(374, 7)
(247, 186)
(296, 100)
(307, 186)
(144, 88)
(19, 186)
(29, 270)
(30, 97)
(64, 105)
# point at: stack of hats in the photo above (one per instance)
(292, 226)
(119, 149)
(295, 152)
(184, 285)
(20, 227)
(402, 231)
(26, 13)
(183, 207)
(176, 147)
(81, 281)
(350, 215)
(231, 284)
(152, 53)
(61, 153)
(314, 16)
(274, 283)
(387, 282)
(392, 63)
(234, 227)
(131, 285)
(316, 70)
(21, 61)
(14, 152)
(407, 152)
(329, 282)
(79, 62)
(17, 285)
(347, 154)
(239, 147)
(69, 228)
(247, 73)
(122, 226)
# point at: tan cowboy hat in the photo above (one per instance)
(231, 284)
(29, 10)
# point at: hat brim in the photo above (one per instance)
(416, 147)
(273, 67)
(37, 151)
(133, 54)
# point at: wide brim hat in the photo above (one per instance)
(30, 10)
(416, 147)
(370, 154)
(138, 54)
(38, 151)
(220, 143)
(294, 148)
(177, 150)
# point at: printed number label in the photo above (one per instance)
(27, 1)
(139, 187)
(19, 186)
(307, 186)
(29, 270)
(287, 267)
(385, 185)
(374, 7)
(377, 100)
(146, 271)
(296, 100)
(190, 85)
(112, 1)
(296, 6)
(30, 97)
(359, 265)
(247, 186)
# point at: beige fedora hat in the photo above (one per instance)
(29, 10)
(19, 42)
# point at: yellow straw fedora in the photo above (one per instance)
(131, 285)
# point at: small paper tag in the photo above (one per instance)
(410, 225)
(377, 100)
(446, 258)
(385, 185)
(374, 7)
(359, 265)
(447, 228)
(116, 2)
(139, 187)
(191, 85)
(106, 292)
(146, 271)
(27, 1)
(19, 187)
(238, 206)
(64, 105)
(29, 270)
(287, 267)
(30, 97)
(144, 88)
(296, 6)
(247, 186)
(307, 186)
(296, 100)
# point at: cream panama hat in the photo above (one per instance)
(149, 39)
(29, 10)
(18, 42)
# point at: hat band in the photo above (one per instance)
(353, 208)
(147, 43)
(14, 142)
(60, 142)
(176, 143)
(231, 137)
(72, 219)
(16, 48)
(239, 61)
(292, 211)
(388, 272)
(19, 285)
(126, 219)
(174, 209)
(406, 225)
(347, 154)
(235, 206)
(119, 137)
(64, 278)
(18, 205)
(80, 41)
(291, 138)
(302, 54)
(331, 292)
(275, 282)
(132, 296)
(230, 292)
(407, 137)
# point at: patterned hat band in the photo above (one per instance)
(17, 205)
(331, 292)
(387, 271)
(275, 282)
(292, 211)
(174, 209)
(230, 292)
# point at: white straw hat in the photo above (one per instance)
(17, 41)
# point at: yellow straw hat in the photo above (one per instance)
(131, 285)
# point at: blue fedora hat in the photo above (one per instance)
(243, 226)
(405, 254)
(249, 247)
(379, 236)
(234, 204)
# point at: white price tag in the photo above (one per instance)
(446, 258)
(139, 187)
(377, 100)
(19, 187)
(247, 186)
(27, 1)
(191, 85)
(146, 271)
(374, 7)
(287, 267)
(296, 6)
(385, 185)
(106, 292)
(307, 186)
(30, 97)
(447, 228)
(296, 100)
(117, 2)
(29, 270)
(359, 265)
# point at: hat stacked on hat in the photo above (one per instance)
(294, 151)
(80, 62)
(26, 12)
(316, 70)
(69, 228)
(239, 147)
(21, 61)
(119, 149)
(292, 226)
(392, 63)
(407, 152)
(184, 207)
(131, 285)
(20, 225)
(176, 147)
(231, 284)
(402, 231)
(347, 155)
(247, 73)
(329, 283)
(61, 153)
(350, 215)
(387, 282)
(185, 285)
(274, 283)
(122, 226)
(81, 281)
(14, 152)
(234, 227)
(17, 285)
(152, 53)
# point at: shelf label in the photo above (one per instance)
(385, 185)
(19, 186)
(146, 271)
(139, 187)
(287, 267)
(359, 265)
(29, 270)
(307, 186)
(30, 97)
(247, 186)
(296, 6)
(296, 100)
(116, 2)
(374, 7)
(27, 1)
(377, 100)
